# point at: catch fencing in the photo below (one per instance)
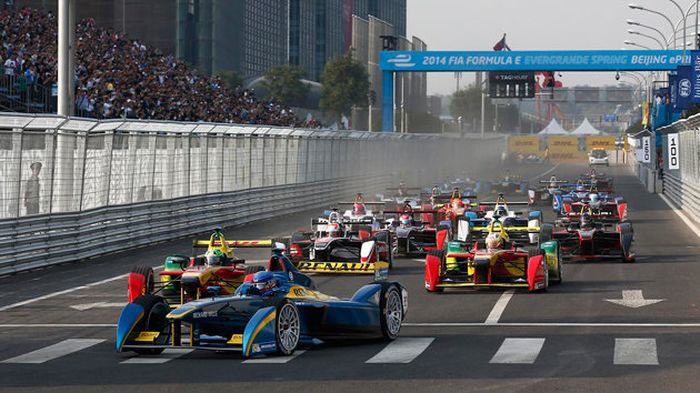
(75, 188)
(682, 185)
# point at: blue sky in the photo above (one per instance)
(536, 25)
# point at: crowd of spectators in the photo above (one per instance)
(119, 77)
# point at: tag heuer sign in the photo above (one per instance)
(512, 84)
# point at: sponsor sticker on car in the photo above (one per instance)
(147, 336)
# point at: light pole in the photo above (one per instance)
(631, 43)
(634, 23)
(639, 7)
(635, 32)
(685, 32)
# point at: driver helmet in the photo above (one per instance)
(279, 248)
(580, 188)
(500, 211)
(264, 282)
(214, 257)
(358, 209)
(457, 203)
(586, 220)
(405, 220)
(494, 241)
(595, 199)
(435, 190)
(333, 230)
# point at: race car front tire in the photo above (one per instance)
(390, 311)
(148, 275)
(287, 327)
(155, 309)
(252, 269)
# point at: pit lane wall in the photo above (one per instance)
(682, 185)
(74, 188)
(561, 147)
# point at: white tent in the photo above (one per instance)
(586, 128)
(553, 128)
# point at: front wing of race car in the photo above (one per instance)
(338, 267)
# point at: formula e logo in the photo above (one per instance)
(204, 314)
(684, 88)
(402, 61)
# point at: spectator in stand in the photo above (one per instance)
(10, 66)
(117, 76)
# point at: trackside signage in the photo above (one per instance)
(604, 60)
(646, 149)
(673, 153)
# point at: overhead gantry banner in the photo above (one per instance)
(578, 60)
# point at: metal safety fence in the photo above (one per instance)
(682, 185)
(77, 188)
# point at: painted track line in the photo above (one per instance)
(57, 325)
(499, 307)
(636, 351)
(167, 355)
(63, 348)
(518, 351)
(69, 290)
(273, 359)
(688, 222)
(402, 350)
(552, 324)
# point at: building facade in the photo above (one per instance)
(247, 36)
(152, 22)
(410, 89)
(322, 29)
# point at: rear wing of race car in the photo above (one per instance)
(446, 198)
(562, 182)
(343, 221)
(412, 212)
(363, 203)
(519, 203)
(379, 269)
(234, 243)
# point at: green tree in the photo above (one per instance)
(345, 84)
(283, 82)
(467, 103)
(230, 79)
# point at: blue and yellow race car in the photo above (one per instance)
(272, 312)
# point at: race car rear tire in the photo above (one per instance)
(252, 269)
(533, 251)
(390, 312)
(155, 309)
(287, 327)
(558, 279)
(546, 231)
(149, 277)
